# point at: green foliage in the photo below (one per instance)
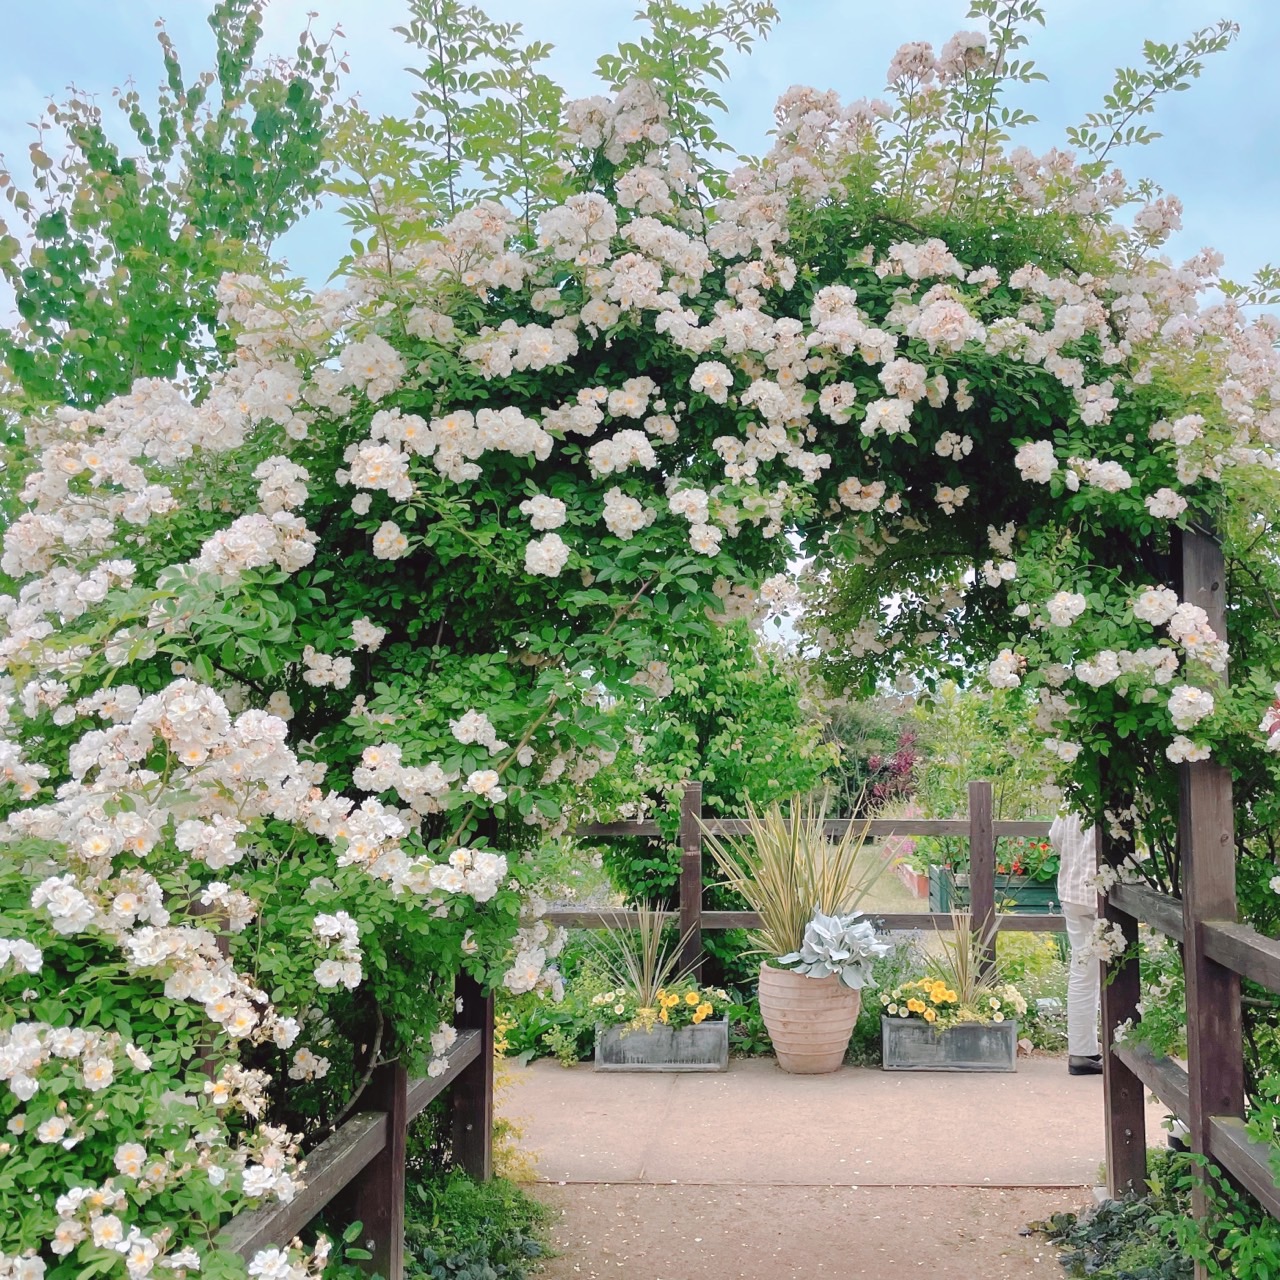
(565, 1029)
(1130, 1239)
(683, 53)
(739, 718)
(968, 734)
(903, 962)
(1236, 1240)
(457, 1229)
(118, 250)
(748, 1036)
(1169, 68)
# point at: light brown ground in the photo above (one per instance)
(781, 1233)
(755, 1173)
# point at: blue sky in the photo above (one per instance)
(1221, 152)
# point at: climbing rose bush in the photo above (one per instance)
(301, 670)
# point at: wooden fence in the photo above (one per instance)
(979, 827)
(1208, 1094)
(362, 1164)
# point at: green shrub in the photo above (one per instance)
(457, 1229)
(1129, 1239)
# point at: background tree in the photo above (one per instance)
(114, 248)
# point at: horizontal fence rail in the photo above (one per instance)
(891, 921)
(362, 1163)
(1243, 951)
(980, 829)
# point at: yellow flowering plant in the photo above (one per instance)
(682, 1004)
(959, 986)
(932, 1000)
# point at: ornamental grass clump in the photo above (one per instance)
(792, 874)
(957, 985)
(637, 959)
(650, 984)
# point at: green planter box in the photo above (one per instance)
(1032, 897)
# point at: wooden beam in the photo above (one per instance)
(425, 1089)
(1165, 1078)
(691, 880)
(1125, 1103)
(895, 921)
(1244, 950)
(378, 1199)
(616, 830)
(1206, 845)
(982, 872)
(330, 1167)
(1245, 1158)
(1158, 910)
(877, 828)
(472, 1094)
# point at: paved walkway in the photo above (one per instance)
(756, 1173)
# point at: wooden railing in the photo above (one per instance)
(1208, 1094)
(980, 828)
(362, 1164)
(360, 1168)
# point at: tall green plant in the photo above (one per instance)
(637, 958)
(116, 248)
(786, 868)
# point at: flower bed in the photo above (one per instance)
(949, 891)
(683, 1029)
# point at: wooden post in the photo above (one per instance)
(1124, 1095)
(472, 1094)
(378, 1202)
(982, 870)
(1206, 843)
(691, 879)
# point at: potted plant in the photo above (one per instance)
(817, 950)
(656, 1018)
(1026, 877)
(956, 1016)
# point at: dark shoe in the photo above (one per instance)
(1084, 1066)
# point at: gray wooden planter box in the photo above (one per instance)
(912, 1045)
(704, 1047)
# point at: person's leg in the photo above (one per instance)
(1084, 989)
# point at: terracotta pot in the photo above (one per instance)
(810, 1020)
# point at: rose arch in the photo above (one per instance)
(301, 669)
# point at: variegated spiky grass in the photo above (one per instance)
(635, 956)
(786, 868)
(960, 958)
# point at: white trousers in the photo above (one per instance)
(1084, 983)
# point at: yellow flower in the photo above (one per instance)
(691, 998)
(663, 1016)
(704, 1010)
(916, 1006)
(930, 1016)
(950, 995)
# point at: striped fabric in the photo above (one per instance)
(1076, 847)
